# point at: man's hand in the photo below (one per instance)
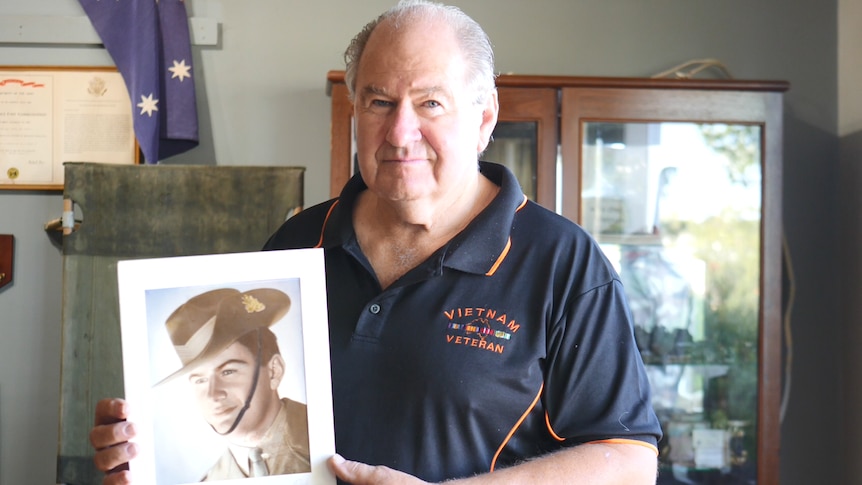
(361, 474)
(110, 437)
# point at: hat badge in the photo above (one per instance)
(252, 304)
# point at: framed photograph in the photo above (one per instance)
(226, 367)
(53, 115)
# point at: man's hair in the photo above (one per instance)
(474, 42)
(268, 344)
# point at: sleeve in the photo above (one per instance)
(596, 385)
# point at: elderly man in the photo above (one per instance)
(474, 335)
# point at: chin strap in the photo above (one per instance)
(251, 392)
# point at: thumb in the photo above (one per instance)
(346, 470)
(358, 473)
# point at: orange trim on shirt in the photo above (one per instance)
(515, 428)
(610, 441)
(500, 258)
(508, 246)
(623, 441)
(325, 220)
(551, 430)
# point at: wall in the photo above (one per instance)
(851, 287)
(850, 214)
(262, 101)
(30, 343)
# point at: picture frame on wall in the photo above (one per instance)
(53, 115)
(226, 367)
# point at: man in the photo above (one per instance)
(474, 335)
(232, 362)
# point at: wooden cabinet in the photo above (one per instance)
(680, 183)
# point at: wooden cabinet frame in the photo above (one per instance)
(540, 106)
(720, 105)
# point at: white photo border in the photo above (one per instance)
(150, 287)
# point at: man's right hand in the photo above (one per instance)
(110, 437)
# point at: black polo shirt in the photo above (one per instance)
(512, 340)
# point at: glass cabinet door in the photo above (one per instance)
(525, 140)
(676, 207)
(513, 144)
(679, 207)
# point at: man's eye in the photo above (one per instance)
(199, 380)
(432, 104)
(228, 372)
(380, 103)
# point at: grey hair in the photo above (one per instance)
(474, 42)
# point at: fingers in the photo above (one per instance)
(110, 437)
(115, 458)
(107, 435)
(111, 429)
(121, 478)
(111, 410)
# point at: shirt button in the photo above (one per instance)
(374, 308)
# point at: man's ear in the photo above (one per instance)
(489, 120)
(275, 369)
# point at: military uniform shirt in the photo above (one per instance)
(284, 446)
(512, 340)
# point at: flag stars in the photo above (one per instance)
(180, 70)
(148, 105)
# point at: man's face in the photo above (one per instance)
(221, 386)
(418, 128)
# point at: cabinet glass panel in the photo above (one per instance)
(676, 207)
(515, 145)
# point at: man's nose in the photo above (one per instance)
(215, 391)
(404, 128)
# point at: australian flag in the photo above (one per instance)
(149, 42)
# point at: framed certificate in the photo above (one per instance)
(53, 115)
(226, 367)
